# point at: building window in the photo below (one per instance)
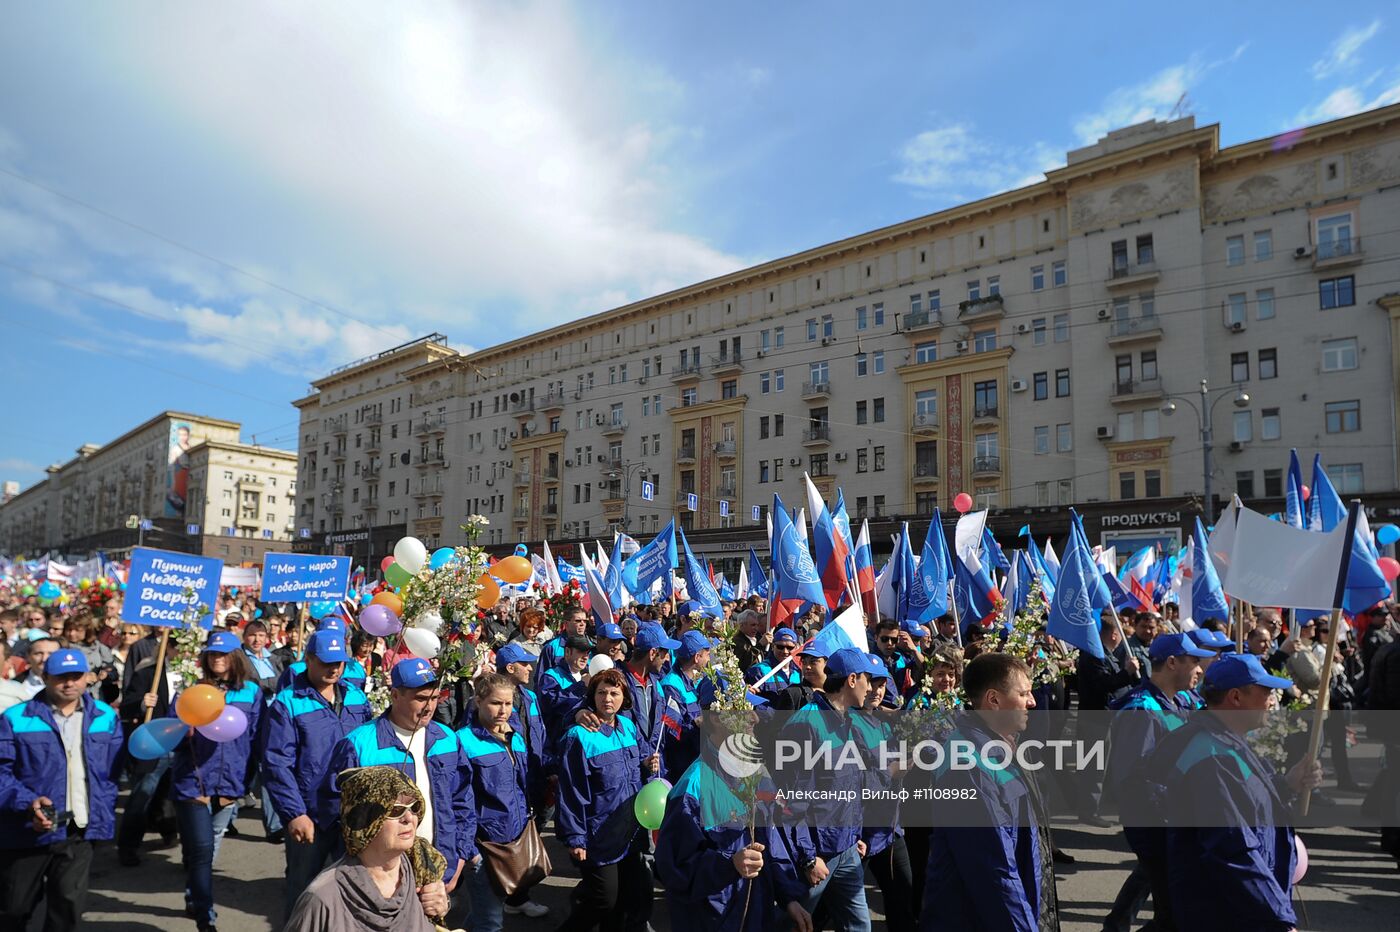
(1339, 355)
(862, 365)
(984, 341)
(1038, 331)
(925, 502)
(1040, 386)
(729, 388)
(1037, 277)
(926, 458)
(1127, 485)
(1061, 325)
(1334, 236)
(1061, 383)
(688, 397)
(879, 459)
(984, 397)
(878, 362)
(935, 301)
(861, 320)
(926, 352)
(1263, 245)
(1268, 363)
(1343, 417)
(777, 337)
(762, 470)
(1148, 364)
(1239, 367)
(1264, 304)
(1042, 440)
(877, 314)
(1151, 424)
(817, 463)
(861, 413)
(862, 460)
(818, 373)
(1058, 275)
(764, 383)
(1127, 426)
(993, 285)
(828, 326)
(1243, 426)
(878, 410)
(1346, 477)
(763, 428)
(1270, 424)
(1235, 309)
(1336, 292)
(1152, 483)
(1234, 250)
(1244, 483)
(1064, 438)
(811, 329)
(878, 503)
(974, 290)
(777, 380)
(777, 425)
(916, 303)
(1144, 249)
(985, 445)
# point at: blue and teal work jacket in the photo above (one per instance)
(219, 768)
(354, 674)
(827, 823)
(559, 696)
(496, 782)
(790, 675)
(600, 773)
(302, 729)
(527, 721)
(1141, 719)
(681, 717)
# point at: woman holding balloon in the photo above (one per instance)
(210, 771)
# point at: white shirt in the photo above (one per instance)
(70, 733)
(416, 742)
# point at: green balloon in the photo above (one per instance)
(651, 804)
(396, 575)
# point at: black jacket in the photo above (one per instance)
(1101, 681)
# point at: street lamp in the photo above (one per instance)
(623, 470)
(1204, 415)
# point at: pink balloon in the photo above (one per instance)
(385, 563)
(1389, 567)
(379, 621)
(231, 723)
(1301, 867)
(1307, 493)
(962, 503)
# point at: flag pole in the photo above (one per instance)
(1333, 629)
(160, 670)
(957, 620)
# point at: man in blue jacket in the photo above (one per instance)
(682, 688)
(1228, 840)
(561, 689)
(784, 643)
(406, 738)
(304, 722)
(552, 654)
(57, 794)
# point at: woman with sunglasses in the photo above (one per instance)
(129, 634)
(209, 777)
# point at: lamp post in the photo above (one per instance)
(623, 470)
(1205, 414)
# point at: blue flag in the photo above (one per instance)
(794, 573)
(697, 583)
(933, 572)
(972, 592)
(910, 596)
(1366, 585)
(992, 550)
(1207, 598)
(1325, 507)
(1018, 583)
(612, 579)
(758, 576)
(1073, 617)
(656, 560)
(1293, 495)
(1040, 567)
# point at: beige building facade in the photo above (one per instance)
(1038, 348)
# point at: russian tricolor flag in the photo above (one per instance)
(829, 548)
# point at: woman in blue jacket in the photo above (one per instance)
(495, 764)
(600, 773)
(208, 778)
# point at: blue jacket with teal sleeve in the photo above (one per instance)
(874, 731)
(354, 674)
(1229, 845)
(599, 774)
(496, 780)
(219, 768)
(790, 675)
(682, 719)
(551, 655)
(527, 720)
(302, 729)
(33, 764)
(828, 822)
(1147, 715)
(705, 824)
(374, 744)
(560, 696)
(984, 872)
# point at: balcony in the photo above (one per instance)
(338, 454)
(986, 413)
(685, 372)
(925, 474)
(685, 455)
(726, 363)
(432, 458)
(609, 463)
(1137, 390)
(336, 425)
(727, 491)
(1124, 274)
(988, 308)
(335, 506)
(550, 474)
(922, 321)
(521, 513)
(1127, 330)
(523, 478)
(431, 424)
(372, 443)
(614, 427)
(926, 423)
(370, 473)
(986, 466)
(522, 406)
(427, 490)
(554, 401)
(683, 499)
(373, 417)
(818, 435)
(550, 509)
(817, 390)
(1337, 253)
(726, 449)
(369, 505)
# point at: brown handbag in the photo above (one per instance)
(516, 865)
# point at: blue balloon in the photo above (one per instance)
(521, 550)
(320, 610)
(156, 738)
(366, 598)
(1387, 534)
(233, 591)
(49, 590)
(441, 557)
(121, 586)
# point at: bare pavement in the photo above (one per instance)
(1350, 885)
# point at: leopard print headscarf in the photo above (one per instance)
(366, 796)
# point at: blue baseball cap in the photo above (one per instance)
(411, 673)
(913, 628)
(221, 642)
(878, 668)
(514, 653)
(1175, 645)
(846, 661)
(66, 661)
(692, 643)
(1234, 670)
(1212, 640)
(609, 630)
(328, 647)
(785, 636)
(331, 623)
(651, 636)
(817, 649)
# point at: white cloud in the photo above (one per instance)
(13, 464)
(1342, 53)
(1151, 99)
(954, 162)
(1345, 101)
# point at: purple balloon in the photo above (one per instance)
(229, 725)
(379, 620)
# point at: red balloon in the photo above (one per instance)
(1390, 568)
(1307, 493)
(962, 503)
(385, 563)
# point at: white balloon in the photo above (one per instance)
(429, 621)
(424, 644)
(599, 663)
(410, 553)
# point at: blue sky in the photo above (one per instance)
(281, 188)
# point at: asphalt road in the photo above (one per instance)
(1350, 885)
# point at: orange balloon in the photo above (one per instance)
(513, 570)
(200, 705)
(490, 593)
(390, 601)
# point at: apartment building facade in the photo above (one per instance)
(1069, 342)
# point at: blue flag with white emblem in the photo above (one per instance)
(1073, 617)
(933, 572)
(697, 583)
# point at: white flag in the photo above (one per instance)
(1273, 563)
(1222, 540)
(553, 584)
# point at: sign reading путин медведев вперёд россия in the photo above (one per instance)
(168, 589)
